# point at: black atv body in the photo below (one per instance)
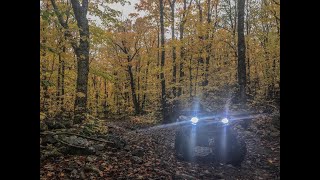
(224, 144)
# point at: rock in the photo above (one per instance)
(91, 158)
(140, 177)
(43, 126)
(82, 175)
(163, 163)
(71, 139)
(247, 133)
(82, 142)
(104, 157)
(58, 125)
(50, 124)
(74, 173)
(49, 139)
(275, 134)
(230, 166)
(127, 148)
(138, 152)
(68, 169)
(54, 153)
(99, 147)
(182, 118)
(91, 168)
(42, 173)
(206, 172)
(219, 176)
(193, 171)
(102, 166)
(272, 128)
(118, 142)
(91, 149)
(136, 159)
(180, 175)
(98, 153)
(67, 124)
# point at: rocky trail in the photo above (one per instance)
(149, 154)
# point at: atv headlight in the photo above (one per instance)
(225, 121)
(194, 120)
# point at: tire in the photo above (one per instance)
(230, 149)
(182, 146)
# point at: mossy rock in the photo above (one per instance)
(67, 123)
(43, 126)
(50, 154)
(54, 125)
(78, 151)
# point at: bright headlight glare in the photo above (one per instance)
(194, 120)
(225, 120)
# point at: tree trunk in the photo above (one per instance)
(241, 52)
(82, 81)
(247, 46)
(135, 100)
(197, 73)
(174, 56)
(96, 93)
(181, 73)
(46, 81)
(163, 82)
(62, 79)
(146, 87)
(82, 53)
(105, 104)
(133, 91)
(138, 68)
(190, 77)
(118, 104)
(208, 45)
(59, 84)
(158, 51)
(202, 38)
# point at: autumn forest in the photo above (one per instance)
(102, 70)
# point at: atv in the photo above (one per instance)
(215, 133)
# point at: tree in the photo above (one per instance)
(125, 47)
(163, 82)
(207, 54)
(208, 44)
(182, 49)
(174, 55)
(242, 81)
(82, 52)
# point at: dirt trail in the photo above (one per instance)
(261, 162)
(149, 154)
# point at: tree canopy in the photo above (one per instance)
(132, 68)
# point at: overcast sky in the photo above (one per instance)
(126, 9)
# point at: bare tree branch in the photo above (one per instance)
(64, 24)
(57, 12)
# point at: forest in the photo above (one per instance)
(115, 88)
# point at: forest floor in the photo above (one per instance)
(149, 154)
